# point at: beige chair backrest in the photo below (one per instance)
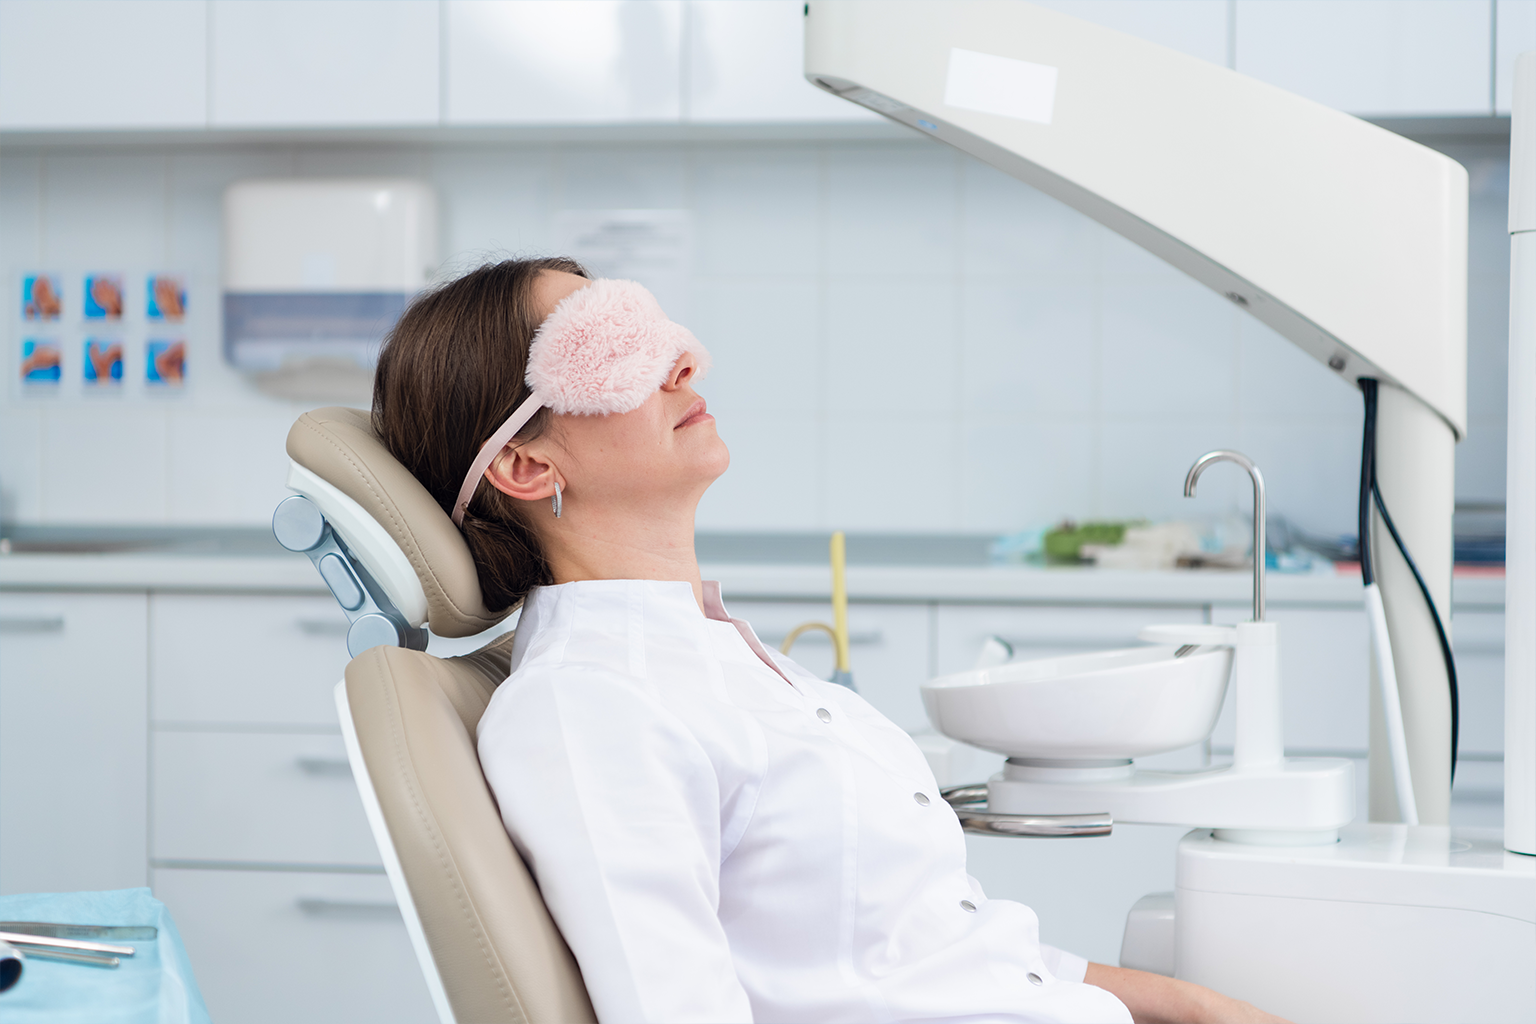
(487, 946)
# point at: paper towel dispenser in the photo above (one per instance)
(316, 271)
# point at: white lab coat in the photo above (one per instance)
(721, 836)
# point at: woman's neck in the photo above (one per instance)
(593, 546)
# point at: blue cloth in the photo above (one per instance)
(154, 986)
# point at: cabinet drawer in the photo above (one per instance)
(246, 659)
(255, 798)
(1043, 632)
(887, 649)
(296, 947)
(73, 749)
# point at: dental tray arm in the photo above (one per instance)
(1347, 239)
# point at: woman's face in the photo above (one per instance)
(667, 450)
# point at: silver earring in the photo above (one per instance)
(557, 503)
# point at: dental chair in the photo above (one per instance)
(486, 944)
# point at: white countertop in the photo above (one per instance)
(981, 584)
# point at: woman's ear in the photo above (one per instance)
(523, 474)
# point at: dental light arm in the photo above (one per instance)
(1346, 239)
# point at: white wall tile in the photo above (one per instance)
(745, 62)
(1281, 383)
(1387, 57)
(226, 469)
(198, 178)
(21, 219)
(21, 433)
(891, 473)
(1481, 460)
(891, 209)
(1010, 229)
(105, 214)
(1028, 351)
(1142, 467)
(622, 178)
(762, 335)
(104, 464)
(544, 61)
(1168, 352)
(1311, 471)
(773, 483)
(292, 62)
(756, 210)
(493, 202)
(891, 346)
(1516, 35)
(85, 64)
(1195, 27)
(1017, 475)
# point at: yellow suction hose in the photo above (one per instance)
(840, 604)
(838, 631)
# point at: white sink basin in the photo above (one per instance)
(1109, 706)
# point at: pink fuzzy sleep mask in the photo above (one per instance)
(606, 348)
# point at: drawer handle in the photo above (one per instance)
(331, 767)
(32, 624)
(315, 907)
(324, 627)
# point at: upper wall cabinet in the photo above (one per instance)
(552, 62)
(280, 63)
(1195, 27)
(1517, 34)
(745, 63)
(1372, 57)
(81, 64)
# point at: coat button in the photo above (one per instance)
(921, 798)
(968, 906)
(1035, 979)
(824, 714)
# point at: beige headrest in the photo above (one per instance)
(339, 446)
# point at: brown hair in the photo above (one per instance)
(450, 372)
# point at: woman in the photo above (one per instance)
(719, 834)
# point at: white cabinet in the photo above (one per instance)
(1374, 57)
(745, 62)
(253, 660)
(73, 742)
(279, 63)
(887, 649)
(296, 947)
(243, 798)
(83, 64)
(1195, 27)
(550, 62)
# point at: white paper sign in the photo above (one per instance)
(653, 247)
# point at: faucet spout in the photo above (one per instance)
(1259, 548)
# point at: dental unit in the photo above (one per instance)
(1350, 242)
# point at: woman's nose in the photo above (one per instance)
(682, 371)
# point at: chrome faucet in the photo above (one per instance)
(1258, 514)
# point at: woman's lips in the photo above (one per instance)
(696, 414)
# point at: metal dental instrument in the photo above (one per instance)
(65, 956)
(75, 945)
(139, 933)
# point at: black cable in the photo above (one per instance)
(1367, 474)
(1370, 489)
(1445, 643)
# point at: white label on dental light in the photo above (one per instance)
(1000, 85)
